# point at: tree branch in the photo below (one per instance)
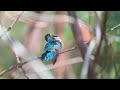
(78, 34)
(21, 64)
(12, 68)
(10, 27)
(18, 61)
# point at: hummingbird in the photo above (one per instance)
(52, 48)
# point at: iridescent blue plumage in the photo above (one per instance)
(52, 48)
(49, 55)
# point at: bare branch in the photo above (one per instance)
(24, 54)
(113, 28)
(73, 48)
(21, 64)
(78, 34)
(49, 67)
(12, 68)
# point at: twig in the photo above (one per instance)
(21, 64)
(118, 25)
(73, 48)
(10, 27)
(18, 61)
(69, 62)
(11, 68)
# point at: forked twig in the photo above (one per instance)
(18, 61)
(12, 68)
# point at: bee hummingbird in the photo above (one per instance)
(52, 48)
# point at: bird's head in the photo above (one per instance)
(48, 38)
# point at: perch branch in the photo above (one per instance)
(69, 62)
(21, 64)
(73, 48)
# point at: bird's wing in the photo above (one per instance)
(48, 55)
(49, 47)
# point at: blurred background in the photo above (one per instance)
(32, 27)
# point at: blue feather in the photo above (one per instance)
(49, 55)
(52, 48)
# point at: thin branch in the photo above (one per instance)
(18, 61)
(69, 62)
(113, 28)
(10, 27)
(64, 51)
(21, 64)
(73, 48)
(12, 68)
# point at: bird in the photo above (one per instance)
(52, 48)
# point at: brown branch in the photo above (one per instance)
(10, 27)
(11, 68)
(21, 64)
(69, 62)
(73, 48)
(78, 34)
(17, 57)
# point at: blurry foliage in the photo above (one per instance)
(108, 53)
